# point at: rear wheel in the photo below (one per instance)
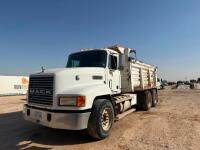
(144, 100)
(154, 97)
(101, 119)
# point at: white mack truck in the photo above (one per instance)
(97, 87)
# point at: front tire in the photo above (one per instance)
(101, 119)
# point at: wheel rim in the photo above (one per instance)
(149, 100)
(106, 119)
(155, 98)
(149, 104)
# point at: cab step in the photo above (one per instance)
(120, 116)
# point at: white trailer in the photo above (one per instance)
(13, 85)
(97, 87)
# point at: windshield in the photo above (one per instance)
(94, 58)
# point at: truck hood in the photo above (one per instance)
(67, 79)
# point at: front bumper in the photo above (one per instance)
(58, 120)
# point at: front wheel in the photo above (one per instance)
(101, 119)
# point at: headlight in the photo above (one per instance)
(78, 101)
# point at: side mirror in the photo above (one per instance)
(131, 59)
(122, 61)
(132, 55)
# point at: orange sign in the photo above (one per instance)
(24, 81)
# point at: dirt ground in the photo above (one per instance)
(174, 124)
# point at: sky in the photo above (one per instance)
(35, 33)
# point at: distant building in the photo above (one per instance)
(13, 85)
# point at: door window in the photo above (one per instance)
(113, 62)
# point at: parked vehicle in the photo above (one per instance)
(97, 87)
(159, 84)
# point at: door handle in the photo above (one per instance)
(110, 83)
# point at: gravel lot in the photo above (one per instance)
(174, 124)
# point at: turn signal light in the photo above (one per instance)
(80, 101)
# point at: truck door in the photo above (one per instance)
(114, 78)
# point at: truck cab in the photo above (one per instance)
(89, 93)
(98, 59)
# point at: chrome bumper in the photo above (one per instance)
(58, 120)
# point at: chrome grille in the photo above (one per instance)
(41, 89)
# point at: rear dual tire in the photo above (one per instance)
(147, 99)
